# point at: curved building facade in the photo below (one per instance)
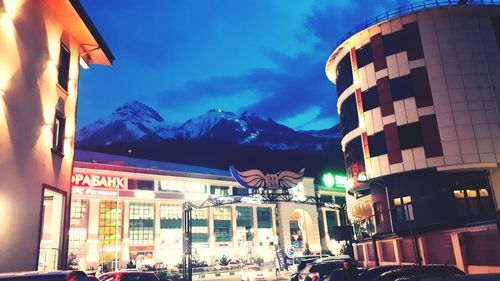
(419, 99)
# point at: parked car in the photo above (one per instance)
(253, 273)
(234, 264)
(324, 266)
(129, 276)
(419, 272)
(294, 276)
(43, 276)
(473, 277)
(297, 260)
(375, 272)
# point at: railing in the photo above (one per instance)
(409, 9)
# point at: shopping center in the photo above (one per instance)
(125, 209)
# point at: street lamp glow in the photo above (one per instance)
(328, 180)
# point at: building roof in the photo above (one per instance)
(75, 20)
(97, 160)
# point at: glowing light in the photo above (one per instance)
(144, 194)
(362, 177)
(83, 63)
(328, 180)
(340, 181)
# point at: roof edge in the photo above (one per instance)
(80, 10)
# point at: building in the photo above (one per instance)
(42, 45)
(418, 97)
(125, 209)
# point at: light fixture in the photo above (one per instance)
(83, 63)
(362, 177)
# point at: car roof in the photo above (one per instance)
(334, 258)
(420, 270)
(34, 274)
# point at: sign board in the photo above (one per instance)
(280, 257)
(89, 180)
(255, 179)
(93, 192)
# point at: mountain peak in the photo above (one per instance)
(136, 109)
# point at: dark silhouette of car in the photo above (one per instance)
(129, 276)
(43, 276)
(419, 272)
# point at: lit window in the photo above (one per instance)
(200, 226)
(471, 193)
(459, 194)
(483, 192)
(397, 201)
(63, 67)
(403, 210)
(110, 222)
(222, 224)
(58, 132)
(78, 209)
(141, 223)
(170, 216)
(77, 236)
(170, 186)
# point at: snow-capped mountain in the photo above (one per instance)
(135, 121)
(130, 122)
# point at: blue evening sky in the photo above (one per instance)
(185, 57)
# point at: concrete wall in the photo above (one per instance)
(30, 39)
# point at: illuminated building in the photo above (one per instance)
(418, 97)
(42, 45)
(130, 209)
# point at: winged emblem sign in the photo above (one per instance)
(256, 179)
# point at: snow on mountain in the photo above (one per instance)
(130, 122)
(135, 121)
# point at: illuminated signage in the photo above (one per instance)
(255, 179)
(93, 192)
(78, 179)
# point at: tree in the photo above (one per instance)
(224, 260)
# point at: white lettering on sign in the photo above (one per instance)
(98, 181)
(94, 192)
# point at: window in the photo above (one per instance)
(141, 223)
(219, 190)
(364, 55)
(377, 211)
(377, 144)
(264, 217)
(340, 200)
(410, 136)
(496, 28)
(403, 210)
(331, 222)
(141, 184)
(353, 156)
(110, 222)
(472, 202)
(344, 74)
(77, 236)
(195, 187)
(244, 221)
(78, 209)
(170, 216)
(222, 224)
(327, 198)
(58, 132)
(393, 43)
(170, 186)
(200, 226)
(401, 88)
(63, 67)
(349, 115)
(240, 191)
(370, 99)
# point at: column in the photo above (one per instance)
(325, 243)
(211, 234)
(157, 229)
(234, 237)
(93, 234)
(460, 251)
(125, 239)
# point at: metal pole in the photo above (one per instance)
(418, 259)
(187, 274)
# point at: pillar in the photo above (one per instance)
(92, 258)
(459, 250)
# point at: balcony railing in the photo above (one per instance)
(410, 9)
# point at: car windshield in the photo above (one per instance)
(254, 268)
